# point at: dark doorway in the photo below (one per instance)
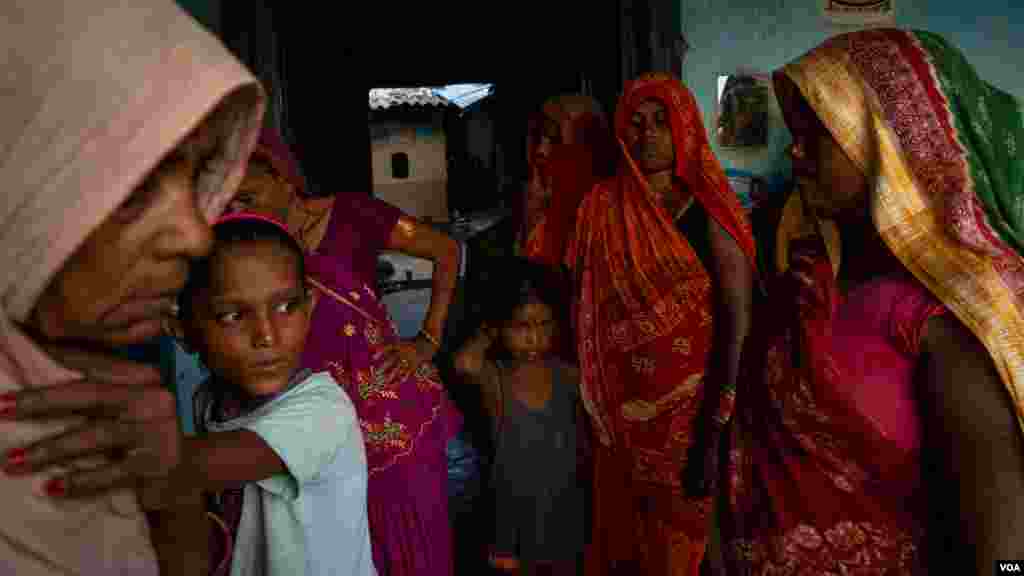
(319, 61)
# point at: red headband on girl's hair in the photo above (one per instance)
(250, 216)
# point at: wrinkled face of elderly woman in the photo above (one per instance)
(123, 280)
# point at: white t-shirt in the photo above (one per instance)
(311, 520)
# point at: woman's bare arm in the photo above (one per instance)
(732, 324)
(975, 432)
(414, 239)
(735, 282)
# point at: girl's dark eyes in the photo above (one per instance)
(228, 318)
(289, 306)
(234, 316)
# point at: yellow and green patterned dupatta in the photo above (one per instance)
(943, 148)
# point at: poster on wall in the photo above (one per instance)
(860, 12)
(743, 106)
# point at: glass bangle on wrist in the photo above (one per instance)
(430, 338)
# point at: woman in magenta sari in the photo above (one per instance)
(878, 426)
(404, 412)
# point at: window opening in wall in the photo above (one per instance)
(400, 166)
(449, 133)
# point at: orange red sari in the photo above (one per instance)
(644, 332)
(564, 166)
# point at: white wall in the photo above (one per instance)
(424, 193)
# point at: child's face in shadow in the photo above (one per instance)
(530, 333)
(250, 324)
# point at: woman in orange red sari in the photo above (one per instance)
(663, 259)
(569, 149)
(878, 423)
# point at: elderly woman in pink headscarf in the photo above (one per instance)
(125, 130)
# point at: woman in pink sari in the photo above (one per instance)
(878, 427)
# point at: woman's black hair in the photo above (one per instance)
(514, 282)
(226, 234)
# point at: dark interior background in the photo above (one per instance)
(320, 60)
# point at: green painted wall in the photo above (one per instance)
(726, 35)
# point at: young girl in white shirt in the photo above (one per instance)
(280, 452)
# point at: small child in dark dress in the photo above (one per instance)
(533, 401)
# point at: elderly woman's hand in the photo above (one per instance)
(128, 418)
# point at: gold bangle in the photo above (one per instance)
(430, 338)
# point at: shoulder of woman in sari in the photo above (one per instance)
(972, 424)
(335, 222)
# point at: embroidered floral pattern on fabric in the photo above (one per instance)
(387, 434)
(395, 413)
(634, 329)
(427, 378)
(705, 318)
(844, 548)
(929, 132)
(644, 365)
(681, 345)
(374, 385)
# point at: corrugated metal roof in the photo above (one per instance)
(465, 95)
(384, 98)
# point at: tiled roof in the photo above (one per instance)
(384, 98)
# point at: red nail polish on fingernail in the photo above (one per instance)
(55, 487)
(8, 403)
(15, 457)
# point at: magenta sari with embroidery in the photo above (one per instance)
(405, 423)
